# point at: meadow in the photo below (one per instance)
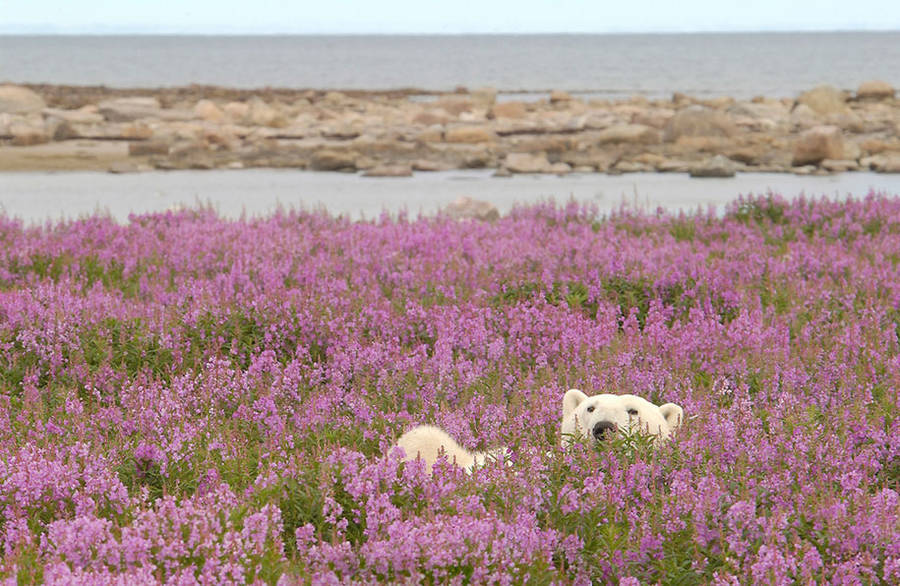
(188, 399)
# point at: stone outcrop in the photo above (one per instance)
(818, 144)
(392, 133)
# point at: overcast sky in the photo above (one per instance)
(457, 16)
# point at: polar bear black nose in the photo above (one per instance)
(604, 430)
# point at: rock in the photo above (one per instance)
(332, 160)
(136, 131)
(557, 96)
(698, 121)
(426, 165)
(512, 110)
(839, 166)
(209, 111)
(629, 167)
(802, 116)
(824, 100)
(262, 114)
(27, 132)
(817, 144)
(469, 134)
(502, 172)
(596, 159)
(431, 134)
(560, 169)
(749, 155)
(85, 115)
(238, 111)
(888, 163)
(20, 100)
(468, 208)
(129, 109)
(718, 166)
(119, 167)
(485, 96)
(455, 105)
(628, 134)
(389, 171)
(527, 163)
(147, 148)
(432, 117)
(875, 90)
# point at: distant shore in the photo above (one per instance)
(393, 133)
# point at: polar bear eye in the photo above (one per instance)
(590, 409)
(632, 411)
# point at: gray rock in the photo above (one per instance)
(20, 100)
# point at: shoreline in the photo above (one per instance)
(391, 133)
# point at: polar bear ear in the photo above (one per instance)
(572, 399)
(672, 413)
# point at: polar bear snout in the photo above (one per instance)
(604, 430)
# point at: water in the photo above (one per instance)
(736, 64)
(36, 197)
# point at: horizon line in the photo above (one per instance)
(39, 30)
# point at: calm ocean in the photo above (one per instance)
(741, 65)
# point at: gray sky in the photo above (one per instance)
(458, 16)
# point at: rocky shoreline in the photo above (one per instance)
(393, 133)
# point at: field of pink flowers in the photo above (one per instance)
(190, 399)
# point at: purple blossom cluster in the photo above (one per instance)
(187, 399)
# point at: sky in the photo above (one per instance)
(430, 17)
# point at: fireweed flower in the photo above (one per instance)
(188, 399)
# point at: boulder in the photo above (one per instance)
(238, 111)
(26, 132)
(85, 115)
(718, 166)
(427, 165)
(431, 117)
(468, 208)
(486, 96)
(698, 121)
(889, 163)
(817, 144)
(209, 111)
(839, 165)
(628, 134)
(875, 90)
(824, 100)
(557, 96)
(147, 148)
(20, 100)
(513, 110)
(396, 170)
(527, 163)
(129, 109)
(262, 114)
(469, 134)
(332, 160)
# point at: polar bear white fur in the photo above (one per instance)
(601, 417)
(428, 442)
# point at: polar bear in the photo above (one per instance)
(427, 442)
(599, 417)
(603, 416)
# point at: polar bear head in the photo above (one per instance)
(601, 417)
